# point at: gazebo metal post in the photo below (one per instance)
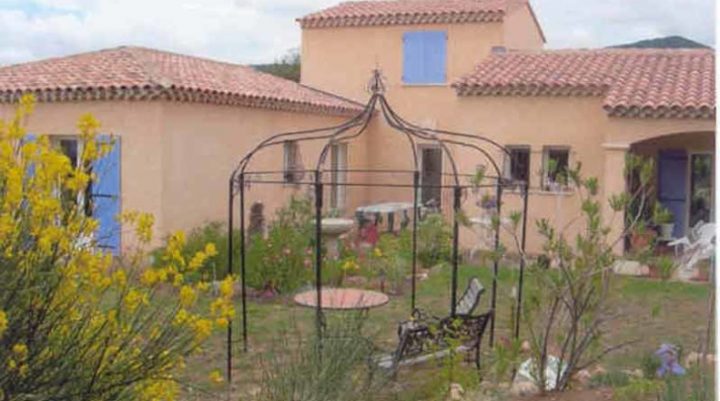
(496, 261)
(243, 282)
(318, 251)
(337, 133)
(416, 216)
(457, 197)
(231, 193)
(523, 237)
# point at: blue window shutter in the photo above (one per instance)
(29, 137)
(105, 194)
(424, 57)
(435, 56)
(413, 71)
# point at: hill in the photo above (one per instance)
(668, 42)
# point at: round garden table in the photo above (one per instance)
(342, 299)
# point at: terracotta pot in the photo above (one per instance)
(642, 240)
(701, 276)
(653, 272)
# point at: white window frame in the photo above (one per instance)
(339, 154)
(290, 173)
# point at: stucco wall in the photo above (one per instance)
(522, 30)
(203, 144)
(341, 60)
(138, 124)
(579, 123)
(177, 158)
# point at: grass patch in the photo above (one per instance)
(652, 311)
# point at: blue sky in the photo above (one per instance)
(252, 31)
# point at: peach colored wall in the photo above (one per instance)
(521, 30)
(138, 124)
(577, 122)
(177, 158)
(203, 144)
(341, 60)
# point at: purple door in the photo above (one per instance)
(672, 186)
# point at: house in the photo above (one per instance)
(181, 125)
(474, 66)
(478, 66)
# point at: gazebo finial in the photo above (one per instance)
(377, 82)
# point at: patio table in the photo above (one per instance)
(389, 208)
(343, 299)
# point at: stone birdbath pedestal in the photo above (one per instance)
(332, 229)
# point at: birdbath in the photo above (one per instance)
(332, 229)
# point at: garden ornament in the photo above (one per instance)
(257, 219)
(528, 371)
(668, 355)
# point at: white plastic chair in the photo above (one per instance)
(699, 248)
(700, 233)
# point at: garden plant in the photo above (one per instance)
(75, 322)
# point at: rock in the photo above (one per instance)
(523, 388)
(630, 268)
(525, 347)
(695, 358)
(599, 370)
(456, 392)
(582, 377)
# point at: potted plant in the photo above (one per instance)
(662, 267)
(488, 202)
(641, 236)
(665, 221)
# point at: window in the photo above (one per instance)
(424, 57)
(338, 163)
(517, 164)
(72, 148)
(292, 162)
(555, 167)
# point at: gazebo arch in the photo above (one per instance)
(350, 130)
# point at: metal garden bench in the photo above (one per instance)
(424, 337)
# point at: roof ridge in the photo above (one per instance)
(604, 50)
(335, 95)
(140, 73)
(60, 57)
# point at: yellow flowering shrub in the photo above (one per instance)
(75, 322)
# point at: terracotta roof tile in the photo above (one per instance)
(641, 83)
(136, 73)
(406, 12)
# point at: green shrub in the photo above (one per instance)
(212, 233)
(338, 369)
(639, 390)
(284, 261)
(613, 378)
(650, 364)
(388, 262)
(696, 385)
(434, 241)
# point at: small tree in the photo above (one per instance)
(567, 307)
(76, 323)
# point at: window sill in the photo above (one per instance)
(542, 192)
(437, 85)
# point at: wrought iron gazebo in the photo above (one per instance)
(377, 105)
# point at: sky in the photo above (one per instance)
(258, 31)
